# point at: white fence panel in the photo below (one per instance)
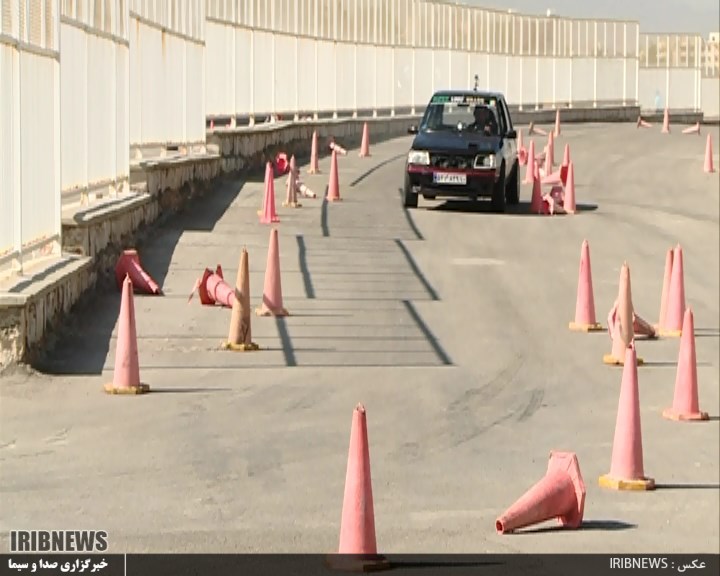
(710, 97)
(458, 67)
(284, 69)
(243, 73)
(221, 73)
(345, 92)
(440, 69)
(563, 78)
(583, 81)
(325, 77)
(529, 80)
(307, 76)
(404, 78)
(30, 127)
(610, 80)
(167, 74)
(424, 80)
(384, 77)
(546, 84)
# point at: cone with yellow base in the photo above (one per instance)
(620, 322)
(240, 333)
(627, 469)
(126, 376)
(672, 325)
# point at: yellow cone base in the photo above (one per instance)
(311, 171)
(357, 563)
(364, 155)
(670, 333)
(643, 484)
(585, 327)
(129, 391)
(267, 312)
(292, 205)
(252, 347)
(259, 212)
(670, 414)
(610, 360)
(333, 199)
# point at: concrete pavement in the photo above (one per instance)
(448, 323)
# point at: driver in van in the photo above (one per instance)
(484, 120)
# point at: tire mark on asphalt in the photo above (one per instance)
(536, 398)
(376, 168)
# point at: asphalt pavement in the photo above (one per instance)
(450, 324)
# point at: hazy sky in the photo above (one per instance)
(695, 16)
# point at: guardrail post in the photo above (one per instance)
(595, 62)
(355, 82)
(624, 98)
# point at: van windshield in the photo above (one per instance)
(470, 112)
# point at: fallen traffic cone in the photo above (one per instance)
(532, 129)
(676, 298)
(530, 164)
(560, 494)
(305, 191)
(128, 265)
(569, 203)
(585, 320)
(666, 122)
(357, 528)
(686, 405)
(693, 129)
(522, 152)
(642, 123)
(642, 327)
(282, 165)
(314, 163)
(272, 301)
(335, 147)
(665, 290)
(536, 201)
(709, 168)
(557, 123)
(365, 145)
(126, 377)
(626, 468)
(269, 215)
(240, 334)
(333, 193)
(620, 322)
(213, 289)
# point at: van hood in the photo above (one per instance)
(456, 141)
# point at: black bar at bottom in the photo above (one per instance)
(327, 565)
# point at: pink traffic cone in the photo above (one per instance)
(272, 300)
(333, 193)
(585, 320)
(676, 298)
(129, 265)
(269, 215)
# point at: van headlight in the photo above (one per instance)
(485, 161)
(419, 157)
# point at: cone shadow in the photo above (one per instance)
(416, 270)
(409, 218)
(687, 486)
(324, 216)
(441, 564)
(485, 207)
(599, 525)
(303, 264)
(287, 346)
(188, 390)
(429, 336)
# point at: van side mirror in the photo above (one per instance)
(512, 134)
(413, 129)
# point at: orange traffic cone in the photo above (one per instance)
(620, 322)
(333, 193)
(666, 122)
(665, 290)
(569, 202)
(269, 215)
(357, 528)
(536, 201)
(642, 123)
(530, 165)
(693, 129)
(522, 152)
(686, 405)
(365, 145)
(213, 289)
(585, 320)
(272, 301)
(129, 265)
(626, 469)
(560, 494)
(709, 168)
(565, 165)
(240, 334)
(550, 158)
(557, 123)
(676, 298)
(314, 163)
(126, 377)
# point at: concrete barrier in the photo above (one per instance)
(32, 306)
